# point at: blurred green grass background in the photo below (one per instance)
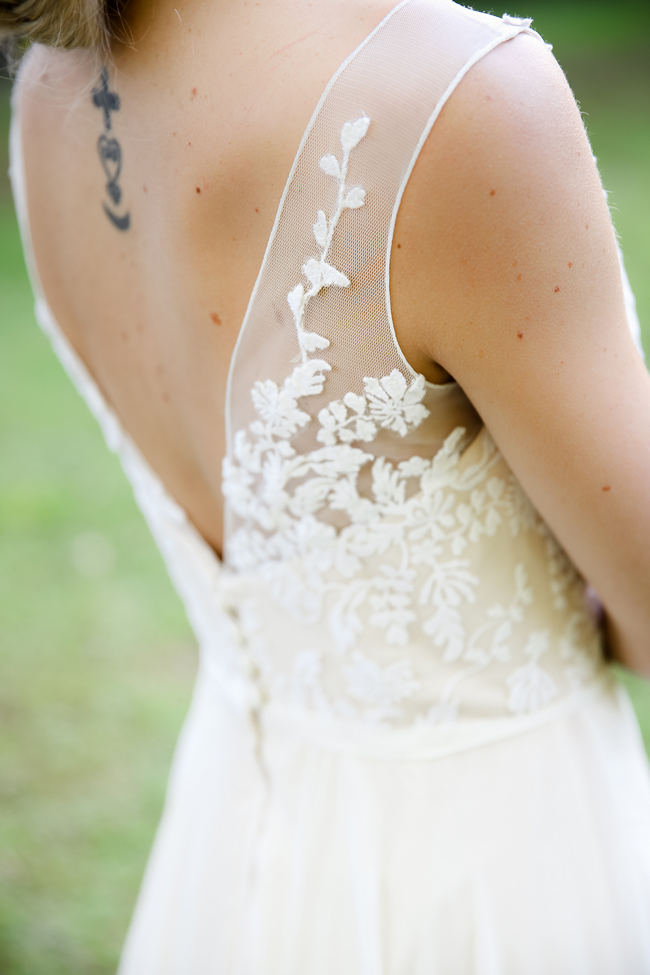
(97, 657)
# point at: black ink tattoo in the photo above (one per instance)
(110, 151)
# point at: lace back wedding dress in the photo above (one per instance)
(405, 754)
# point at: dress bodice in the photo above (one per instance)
(382, 564)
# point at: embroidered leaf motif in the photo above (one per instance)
(387, 486)
(353, 132)
(343, 621)
(531, 687)
(330, 165)
(337, 424)
(310, 341)
(321, 274)
(392, 604)
(318, 271)
(320, 229)
(310, 496)
(307, 379)
(356, 403)
(446, 629)
(502, 632)
(332, 276)
(296, 299)
(355, 198)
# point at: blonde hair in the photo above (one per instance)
(60, 23)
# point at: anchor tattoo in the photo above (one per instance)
(110, 151)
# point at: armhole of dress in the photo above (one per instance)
(508, 33)
(630, 302)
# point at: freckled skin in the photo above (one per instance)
(215, 318)
(531, 141)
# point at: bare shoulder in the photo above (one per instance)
(514, 226)
(520, 249)
(44, 69)
(519, 285)
(48, 85)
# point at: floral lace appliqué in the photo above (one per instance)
(362, 544)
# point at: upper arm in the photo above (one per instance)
(521, 284)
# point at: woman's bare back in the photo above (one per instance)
(394, 621)
(212, 106)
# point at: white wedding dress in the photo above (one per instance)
(405, 753)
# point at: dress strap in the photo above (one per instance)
(319, 321)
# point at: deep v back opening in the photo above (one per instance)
(106, 414)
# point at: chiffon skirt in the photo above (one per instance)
(287, 848)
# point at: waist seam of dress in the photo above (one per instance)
(351, 737)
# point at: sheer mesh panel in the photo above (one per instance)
(398, 79)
